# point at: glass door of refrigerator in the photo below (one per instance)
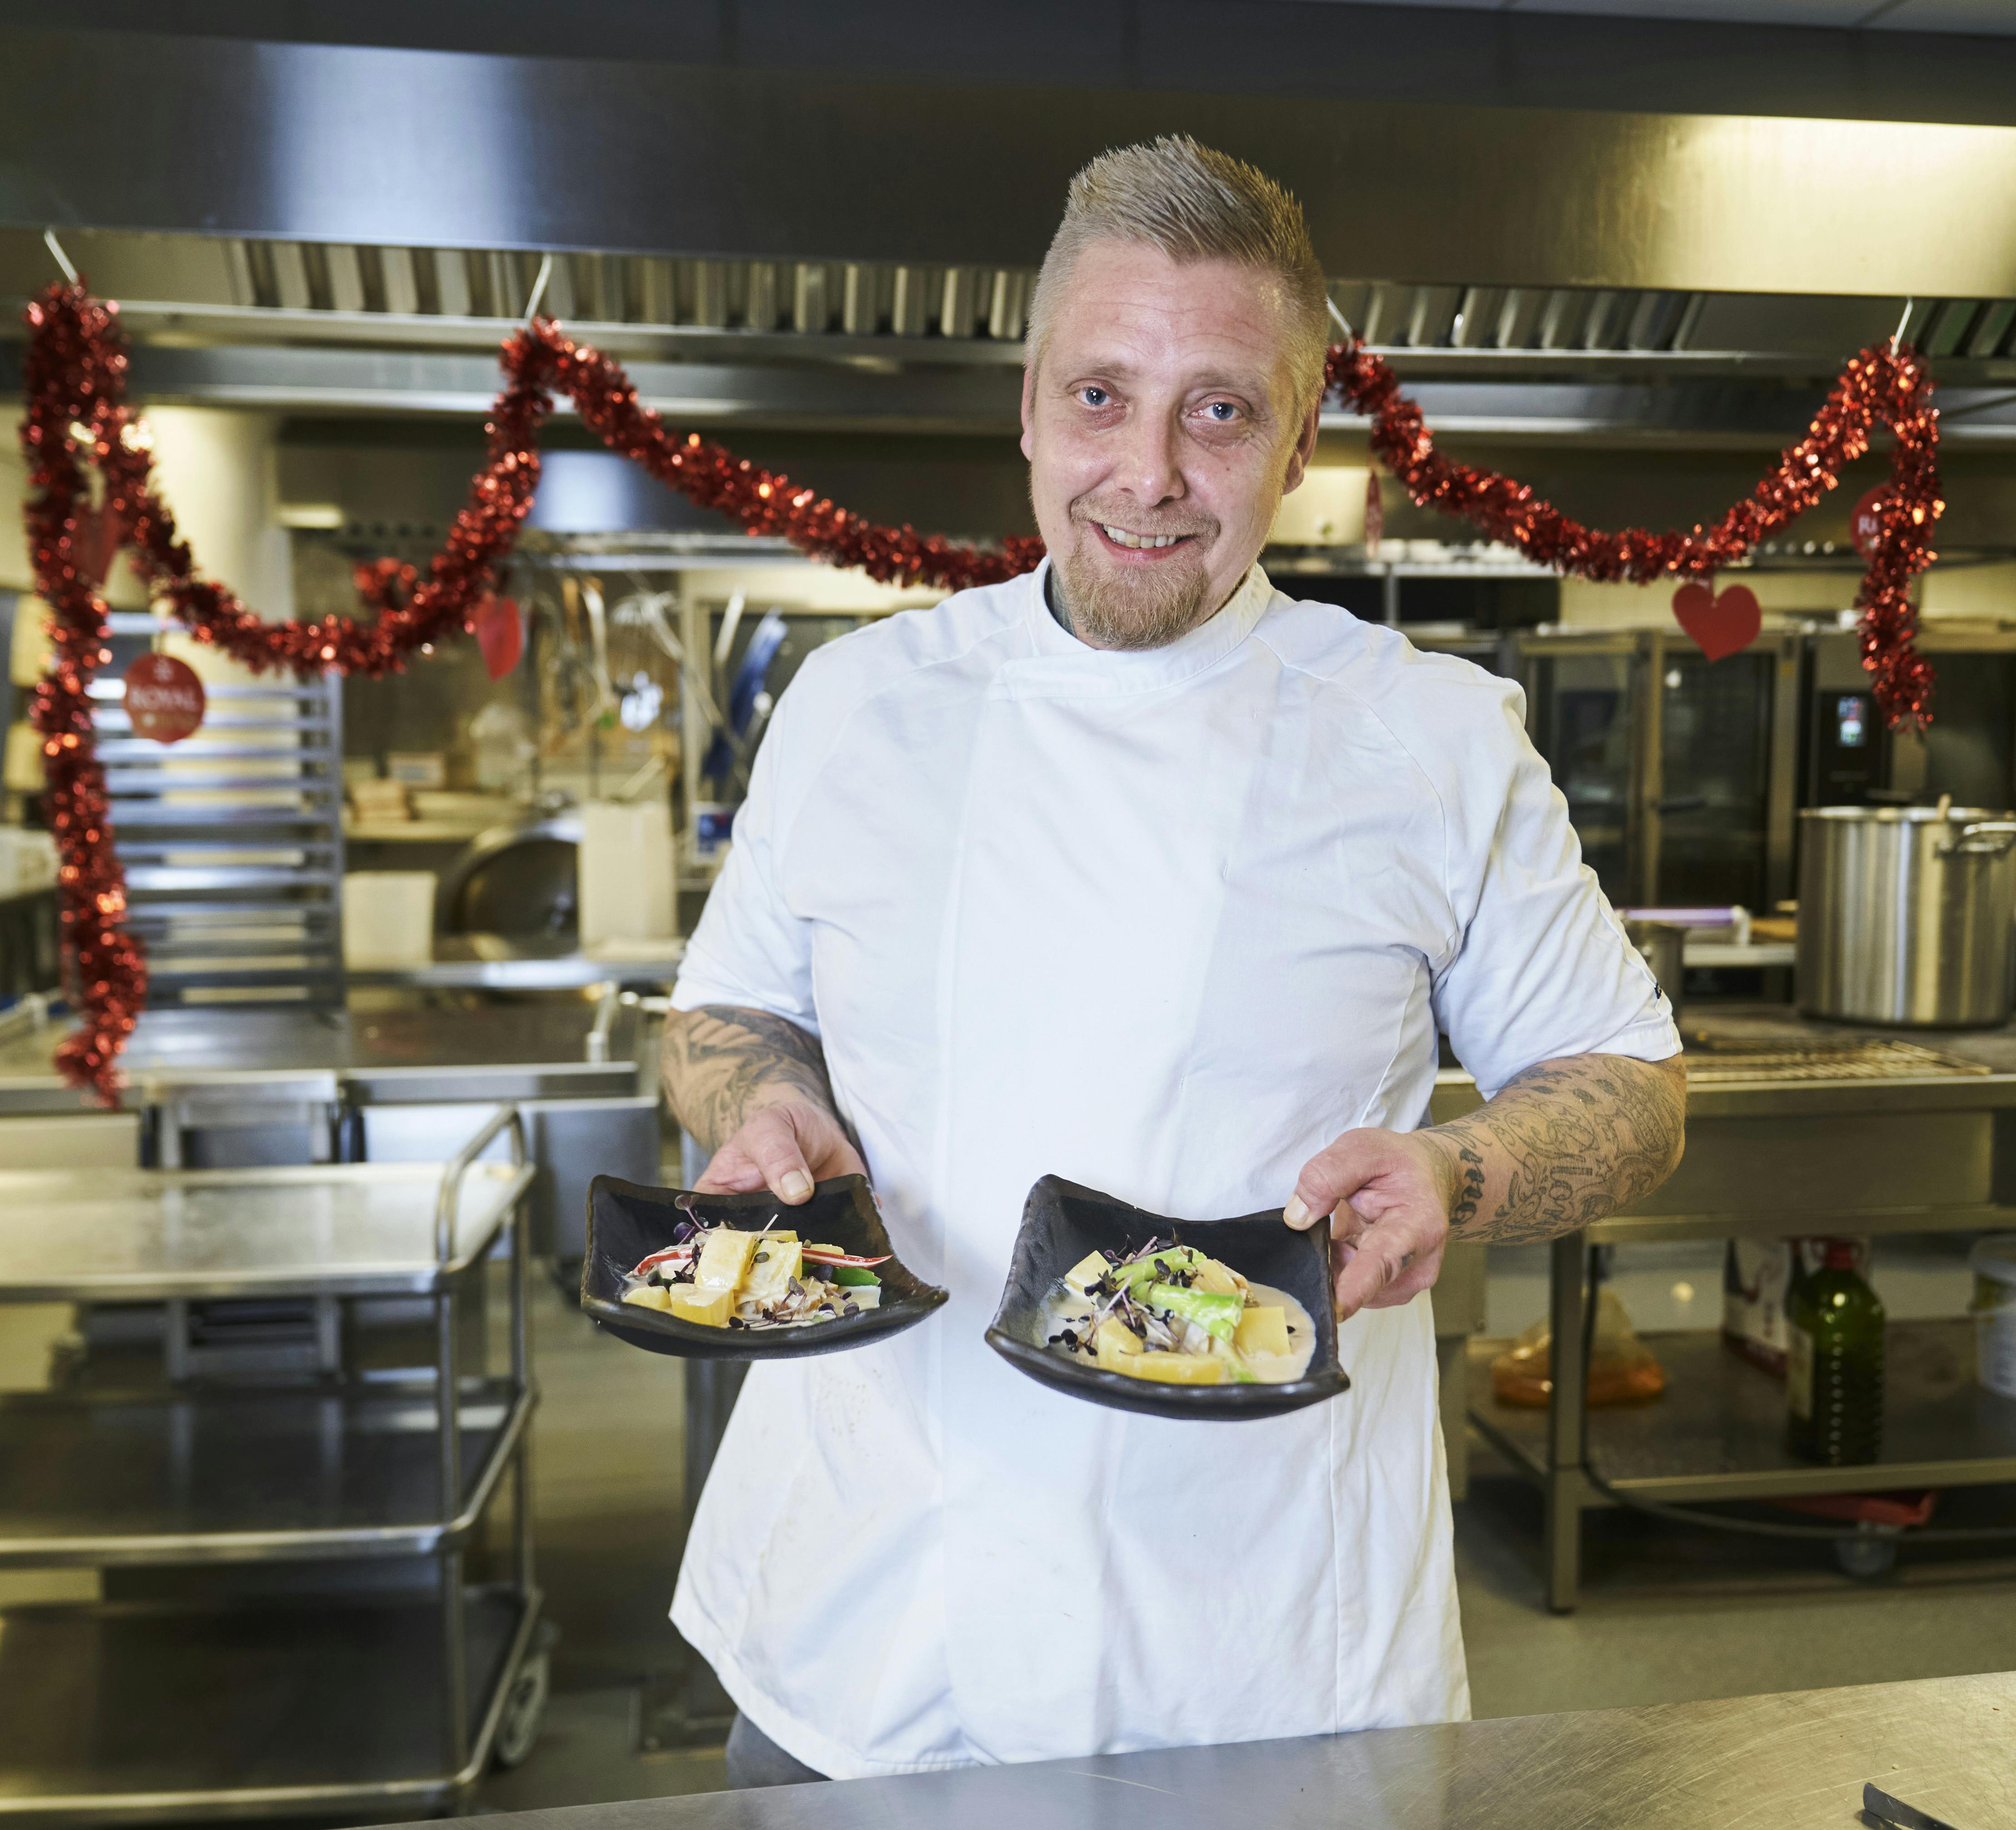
(1580, 697)
(1713, 804)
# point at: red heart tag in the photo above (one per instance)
(96, 544)
(500, 633)
(1721, 623)
(165, 698)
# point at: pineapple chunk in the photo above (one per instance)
(861, 1295)
(772, 1269)
(711, 1309)
(1118, 1345)
(1086, 1273)
(649, 1296)
(1216, 1279)
(1263, 1330)
(1177, 1369)
(724, 1259)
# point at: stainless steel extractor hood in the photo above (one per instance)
(329, 327)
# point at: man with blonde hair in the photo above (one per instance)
(1137, 872)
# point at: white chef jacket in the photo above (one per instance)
(1163, 923)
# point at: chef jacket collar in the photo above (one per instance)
(1060, 666)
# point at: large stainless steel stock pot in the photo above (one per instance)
(1907, 915)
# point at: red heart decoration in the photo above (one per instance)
(500, 633)
(1721, 623)
(96, 544)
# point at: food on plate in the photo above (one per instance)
(1170, 1313)
(722, 1276)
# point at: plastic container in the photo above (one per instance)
(1993, 1263)
(388, 918)
(626, 874)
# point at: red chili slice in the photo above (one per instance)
(644, 1265)
(845, 1258)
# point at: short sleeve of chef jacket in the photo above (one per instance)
(749, 949)
(1539, 967)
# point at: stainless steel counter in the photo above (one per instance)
(496, 962)
(486, 1052)
(1792, 1762)
(399, 1084)
(1793, 1127)
(104, 1235)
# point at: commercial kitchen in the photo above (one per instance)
(388, 687)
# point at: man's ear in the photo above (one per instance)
(1305, 445)
(1028, 408)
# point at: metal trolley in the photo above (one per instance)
(289, 1623)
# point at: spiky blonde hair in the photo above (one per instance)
(1195, 204)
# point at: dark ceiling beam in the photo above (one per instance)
(1477, 56)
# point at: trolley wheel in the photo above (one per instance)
(1867, 1557)
(524, 1708)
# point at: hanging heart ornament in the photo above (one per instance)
(500, 633)
(1722, 623)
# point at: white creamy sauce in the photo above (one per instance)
(1064, 1307)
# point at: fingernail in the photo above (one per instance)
(796, 1186)
(1296, 1213)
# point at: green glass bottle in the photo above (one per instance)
(1833, 1364)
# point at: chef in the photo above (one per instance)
(1137, 871)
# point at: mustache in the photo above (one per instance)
(1085, 512)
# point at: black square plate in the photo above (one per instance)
(1062, 1223)
(628, 1221)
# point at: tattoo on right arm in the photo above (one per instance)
(1563, 1145)
(721, 1062)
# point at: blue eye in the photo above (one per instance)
(1094, 397)
(1222, 410)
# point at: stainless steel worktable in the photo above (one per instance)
(487, 1051)
(155, 1235)
(1794, 1127)
(496, 962)
(1793, 1761)
(199, 1696)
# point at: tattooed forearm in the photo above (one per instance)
(721, 1062)
(1563, 1145)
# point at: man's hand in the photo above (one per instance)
(1560, 1146)
(1388, 1193)
(752, 1088)
(785, 1148)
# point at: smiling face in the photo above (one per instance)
(1162, 426)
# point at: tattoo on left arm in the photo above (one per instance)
(1563, 1145)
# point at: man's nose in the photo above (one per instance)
(1150, 468)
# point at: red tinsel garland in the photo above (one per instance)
(77, 411)
(1880, 387)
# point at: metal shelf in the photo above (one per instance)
(338, 1230)
(230, 1477)
(1718, 1432)
(146, 1711)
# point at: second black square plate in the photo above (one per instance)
(628, 1221)
(1062, 1223)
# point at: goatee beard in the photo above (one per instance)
(1148, 608)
